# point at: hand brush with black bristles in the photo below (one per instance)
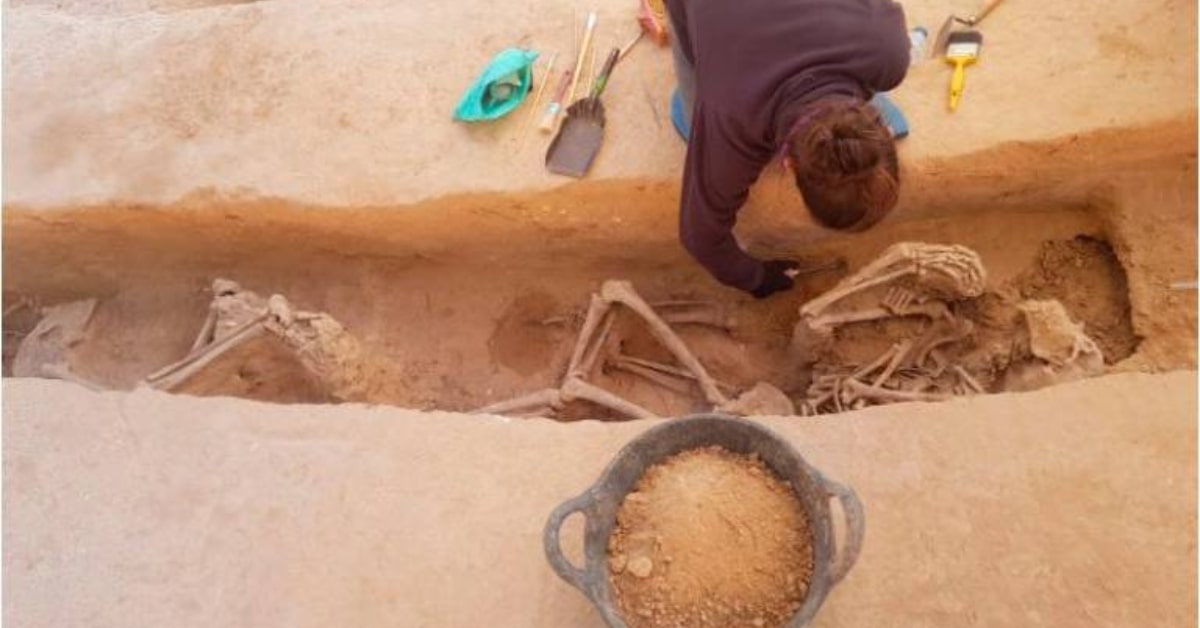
(962, 49)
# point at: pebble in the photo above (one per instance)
(640, 566)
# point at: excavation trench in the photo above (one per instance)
(468, 301)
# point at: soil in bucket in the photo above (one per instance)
(709, 538)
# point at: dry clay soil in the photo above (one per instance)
(451, 288)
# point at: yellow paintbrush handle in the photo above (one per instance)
(957, 82)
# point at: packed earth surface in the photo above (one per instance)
(284, 345)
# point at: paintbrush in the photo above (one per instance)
(962, 49)
(556, 104)
(537, 98)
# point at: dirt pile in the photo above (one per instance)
(710, 539)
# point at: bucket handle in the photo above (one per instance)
(852, 510)
(574, 576)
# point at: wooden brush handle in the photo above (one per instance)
(988, 7)
(602, 78)
(550, 118)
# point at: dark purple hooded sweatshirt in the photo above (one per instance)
(757, 64)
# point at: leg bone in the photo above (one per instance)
(177, 373)
(705, 313)
(671, 382)
(575, 388)
(548, 399)
(901, 354)
(622, 292)
(666, 369)
(585, 367)
(596, 311)
(206, 331)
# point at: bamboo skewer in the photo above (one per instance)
(587, 87)
(630, 44)
(537, 98)
(588, 31)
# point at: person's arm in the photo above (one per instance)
(717, 177)
(888, 67)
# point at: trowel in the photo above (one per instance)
(943, 35)
(573, 150)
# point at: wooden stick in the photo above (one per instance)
(588, 31)
(587, 87)
(537, 98)
(629, 46)
(575, 28)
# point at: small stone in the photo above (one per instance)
(617, 563)
(640, 566)
(759, 622)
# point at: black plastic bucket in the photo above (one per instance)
(599, 506)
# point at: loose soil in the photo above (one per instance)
(710, 539)
(1083, 273)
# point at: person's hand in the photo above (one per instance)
(776, 277)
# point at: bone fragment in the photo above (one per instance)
(669, 381)
(588, 364)
(966, 378)
(175, 374)
(705, 313)
(550, 398)
(577, 388)
(885, 395)
(597, 308)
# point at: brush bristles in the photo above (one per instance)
(966, 37)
